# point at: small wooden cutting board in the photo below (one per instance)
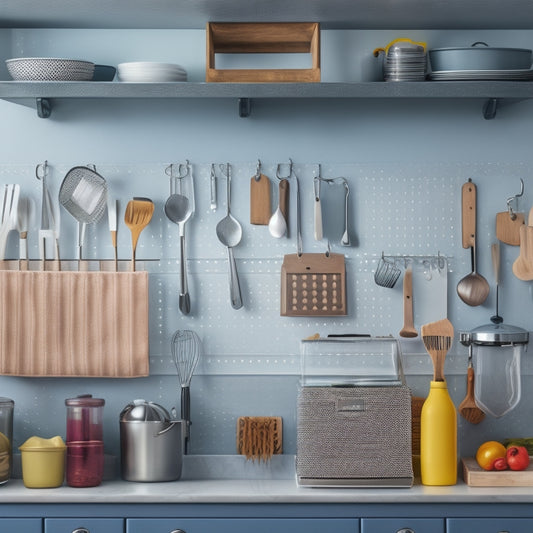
(475, 476)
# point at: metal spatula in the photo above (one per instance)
(83, 194)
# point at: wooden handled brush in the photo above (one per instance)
(437, 338)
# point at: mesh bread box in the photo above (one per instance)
(354, 415)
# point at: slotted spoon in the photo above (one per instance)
(138, 214)
(83, 194)
(185, 353)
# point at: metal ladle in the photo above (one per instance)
(179, 210)
(473, 289)
(229, 233)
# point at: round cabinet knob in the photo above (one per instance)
(177, 531)
(405, 530)
(81, 530)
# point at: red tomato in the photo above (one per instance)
(500, 464)
(517, 457)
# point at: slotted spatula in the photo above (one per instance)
(437, 338)
(138, 214)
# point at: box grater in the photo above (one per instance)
(313, 285)
(354, 415)
(354, 436)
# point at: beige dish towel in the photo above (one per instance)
(83, 324)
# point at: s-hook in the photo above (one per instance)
(510, 200)
(176, 177)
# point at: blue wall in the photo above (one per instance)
(405, 162)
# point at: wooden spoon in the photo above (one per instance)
(408, 329)
(138, 214)
(437, 338)
(468, 407)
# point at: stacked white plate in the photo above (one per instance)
(49, 69)
(476, 75)
(405, 61)
(148, 71)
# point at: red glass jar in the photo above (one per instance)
(85, 463)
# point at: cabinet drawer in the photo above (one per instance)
(84, 525)
(489, 525)
(402, 525)
(20, 525)
(245, 525)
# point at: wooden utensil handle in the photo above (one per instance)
(468, 194)
(470, 382)
(284, 199)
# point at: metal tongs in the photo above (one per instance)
(49, 229)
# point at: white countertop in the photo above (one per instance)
(256, 491)
(232, 479)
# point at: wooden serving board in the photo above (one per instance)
(475, 476)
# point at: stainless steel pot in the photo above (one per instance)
(151, 444)
(479, 56)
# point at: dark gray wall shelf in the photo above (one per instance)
(42, 94)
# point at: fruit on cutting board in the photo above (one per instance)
(517, 457)
(493, 455)
(488, 453)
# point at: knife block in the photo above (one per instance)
(82, 324)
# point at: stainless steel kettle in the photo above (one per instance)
(151, 444)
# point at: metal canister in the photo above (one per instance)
(151, 444)
(6, 438)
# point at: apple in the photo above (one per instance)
(517, 457)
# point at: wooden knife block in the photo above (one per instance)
(262, 38)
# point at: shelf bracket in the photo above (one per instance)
(245, 107)
(489, 108)
(44, 108)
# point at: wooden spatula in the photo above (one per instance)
(437, 338)
(138, 214)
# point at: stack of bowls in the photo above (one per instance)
(49, 69)
(405, 60)
(147, 71)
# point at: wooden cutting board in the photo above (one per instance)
(475, 476)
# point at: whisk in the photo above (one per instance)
(185, 353)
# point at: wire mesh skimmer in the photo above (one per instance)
(185, 353)
(387, 273)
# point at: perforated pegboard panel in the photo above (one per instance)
(400, 210)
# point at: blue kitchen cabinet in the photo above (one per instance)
(242, 525)
(83, 525)
(21, 525)
(403, 525)
(489, 525)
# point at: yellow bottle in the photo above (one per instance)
(438, 437)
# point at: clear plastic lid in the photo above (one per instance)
(351, 361)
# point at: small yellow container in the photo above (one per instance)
(43, 462)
